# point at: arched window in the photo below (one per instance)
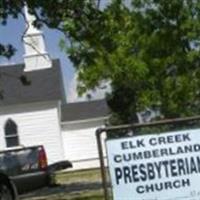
(11, 133)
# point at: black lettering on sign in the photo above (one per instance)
(186, 137)
(169, 139)
(143, 173)
(167, 185)
(118, 174)
(132, 144)
(117, 158)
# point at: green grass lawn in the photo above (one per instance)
(79, 185)
(79, 176)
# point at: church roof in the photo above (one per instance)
(84, 110)
(40, 85)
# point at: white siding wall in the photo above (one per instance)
(37, 124)
(80, 144)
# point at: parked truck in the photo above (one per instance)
(25, 169)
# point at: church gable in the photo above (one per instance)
(34, 86)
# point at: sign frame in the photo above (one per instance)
(131, 127)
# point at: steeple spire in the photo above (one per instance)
(35, 56)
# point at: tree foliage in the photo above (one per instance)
(148, 50)
(50, 13)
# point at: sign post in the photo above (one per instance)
(157, 166)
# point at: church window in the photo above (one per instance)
(11, 133)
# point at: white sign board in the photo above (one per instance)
(156, 167)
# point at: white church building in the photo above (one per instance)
(33, 110)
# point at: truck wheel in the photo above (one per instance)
(5, 192)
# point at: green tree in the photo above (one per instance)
(50, 13)
(148, 50)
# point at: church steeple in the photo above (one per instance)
(35, 56)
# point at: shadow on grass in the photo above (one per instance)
(67, 189)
